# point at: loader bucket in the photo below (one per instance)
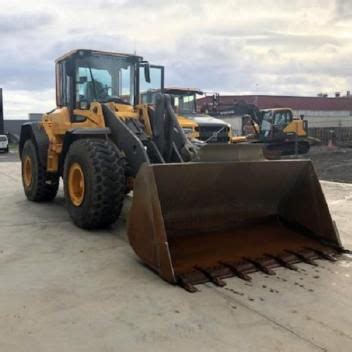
(206, 221)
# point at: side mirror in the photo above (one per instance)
(147, 72)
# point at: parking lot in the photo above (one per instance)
(66, 289)
(12, 155)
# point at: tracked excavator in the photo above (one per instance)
(198, 214)
(277, 129)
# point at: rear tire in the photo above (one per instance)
(36, 184)
(94, 182)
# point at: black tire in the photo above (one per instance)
(104, 182)
(7, 150)
(41, 189)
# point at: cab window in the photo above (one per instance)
(282, 118)
(104, 78)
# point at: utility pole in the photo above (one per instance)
(1, 114)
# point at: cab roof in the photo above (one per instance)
(95, 52)
(180, 90)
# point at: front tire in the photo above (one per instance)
(36, 184)
(94, 182)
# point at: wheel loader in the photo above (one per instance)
(210, 129)
(189, 126)
(198, 214)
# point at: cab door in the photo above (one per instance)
(147, 90)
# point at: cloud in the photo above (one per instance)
(343, 10)
(18, 103)
(283, 47)
(13, 24)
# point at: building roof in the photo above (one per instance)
(281, 101)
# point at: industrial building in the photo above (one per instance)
(320, 111)
(13, 126)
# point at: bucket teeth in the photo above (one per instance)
(324, 254)
(260, 264)
(188, 286)
(237, 271)
(216, 280)
(242, 268)
(305, 258)
(283, 261)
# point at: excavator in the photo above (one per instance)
(198, 214)
(277, 129)
(281, 132)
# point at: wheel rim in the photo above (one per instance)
(76, 184)
(27, 171)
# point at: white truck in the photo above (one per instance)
(4, 143)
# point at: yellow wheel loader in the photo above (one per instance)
(198, 214)
(209, 128)
(189, 126)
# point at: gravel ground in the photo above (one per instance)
(332, 164)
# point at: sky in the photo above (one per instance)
(262, 47)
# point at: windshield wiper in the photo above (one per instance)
(93, 81)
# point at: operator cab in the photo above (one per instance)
(184, 100)
(86, 76)
(211, 129)
(274, 121)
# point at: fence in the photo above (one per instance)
(341, 136)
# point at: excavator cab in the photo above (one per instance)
(199, 213)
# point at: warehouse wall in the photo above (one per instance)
(235, 122)
(14, 126)
(324, 119)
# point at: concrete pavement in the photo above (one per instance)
(66, 289)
